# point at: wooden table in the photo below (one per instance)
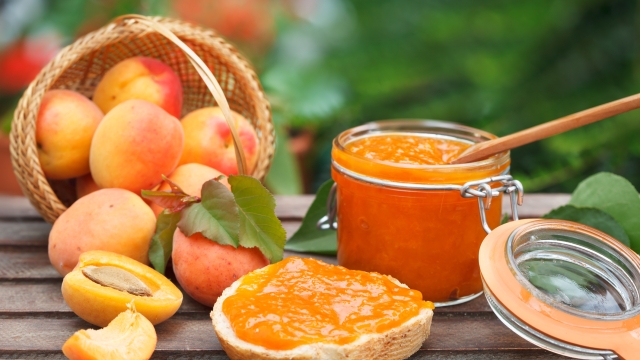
(35, 321)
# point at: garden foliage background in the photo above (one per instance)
(328, 65)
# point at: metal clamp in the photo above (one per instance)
(480, 189)
(483, 190)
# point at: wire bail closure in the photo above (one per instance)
(480, 189)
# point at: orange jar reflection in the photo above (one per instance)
(427, 239)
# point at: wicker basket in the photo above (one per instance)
(81, 65)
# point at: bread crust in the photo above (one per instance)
(397, 343)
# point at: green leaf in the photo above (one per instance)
(505, 218)
(215, 217)
(173, 200)
(162, 240)
(259, 226)
(617, 197)
(309, 238)
(593, 217)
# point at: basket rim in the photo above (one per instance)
(23, 147)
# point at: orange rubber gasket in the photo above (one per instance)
(620, 336)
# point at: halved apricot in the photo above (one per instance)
(103, 283)
(129, 336)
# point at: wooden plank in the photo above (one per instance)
(217, 355)
(27, 263)
(17, 207)
(294, 207)
(288, 207)
(33, 262)
(36, 233)
(22, 298)
(449, 333)
(20, 233)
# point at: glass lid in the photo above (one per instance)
(564, 286)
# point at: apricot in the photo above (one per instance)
(85, 186)
(205, 268)
(208, 140)
(141, 78)
(65, 126)
(99, 302)
(136, 143)
(129, 336)
(109, 219)
(190, 177)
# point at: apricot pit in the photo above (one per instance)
(103, 283)
(117, 278)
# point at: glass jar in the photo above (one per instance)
(417, 223)
(563, 286)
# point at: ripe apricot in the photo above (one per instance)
(99, 304)
(190, 177)
(108, 219)
(85, 186)
(129, 336)
(65, 126)
(141, 78)
(135, 144)
(205, 268)
(208, 140)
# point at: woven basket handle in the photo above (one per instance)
(205, 74)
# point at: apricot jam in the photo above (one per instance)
(301, 301)
(408, 149)
(396, 215)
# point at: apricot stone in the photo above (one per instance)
(99, 305)
(109, 219)
(64, 128)
(208, 140)
(205, 268)
(136, 143)
(141, 78)
(129, 336)
(190, 177)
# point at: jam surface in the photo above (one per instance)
(301, 301)
(408, 149)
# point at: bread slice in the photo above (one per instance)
(397, 343)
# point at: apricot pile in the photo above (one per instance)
(122, 141)
(127, 138)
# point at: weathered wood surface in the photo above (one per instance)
(35, 321)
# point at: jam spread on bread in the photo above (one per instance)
(301, 301)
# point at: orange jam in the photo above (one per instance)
(427, 239)
(301, 301)
(408, 149)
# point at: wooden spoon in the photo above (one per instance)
(485, 149)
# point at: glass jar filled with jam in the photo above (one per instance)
(403, 211)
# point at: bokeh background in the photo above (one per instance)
(328, 65)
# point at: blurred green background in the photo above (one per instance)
(328, 65)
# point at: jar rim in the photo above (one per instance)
(441, 128)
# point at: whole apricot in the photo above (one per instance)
(85, 185)
(208, 140)
(190, 177)
(136, 143)
(65, 126)
(141, 78)
(109, 219)
(99, 297)
(205, 268)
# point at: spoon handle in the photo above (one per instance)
(485, 149)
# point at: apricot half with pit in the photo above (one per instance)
(103, 283)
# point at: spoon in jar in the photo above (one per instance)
(485, 149)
